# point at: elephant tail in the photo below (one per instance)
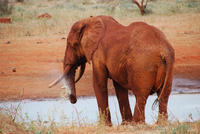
(168, 62)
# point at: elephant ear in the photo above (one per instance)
(92, 36)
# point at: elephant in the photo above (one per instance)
(137, 57)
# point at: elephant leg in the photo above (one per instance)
(122, 96)
(139, 112)
(163, 116)
(100, 87)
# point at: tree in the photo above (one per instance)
(142, 7)
(20, 0)
(5, 9)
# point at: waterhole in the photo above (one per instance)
(184, 105)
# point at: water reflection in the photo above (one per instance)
(182, 85)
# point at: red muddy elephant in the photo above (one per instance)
(137, 57)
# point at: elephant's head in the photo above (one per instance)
(82, 41)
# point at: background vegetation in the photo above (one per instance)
(65, 12)
(9, 125)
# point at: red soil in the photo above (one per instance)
(28, 65)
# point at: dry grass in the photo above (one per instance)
(65, 12)
(9, 125)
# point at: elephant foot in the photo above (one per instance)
(106, 123)
(137, 120)
(126, 123)
(109, 124)
(162, 119)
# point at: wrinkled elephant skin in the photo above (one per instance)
(136, 57)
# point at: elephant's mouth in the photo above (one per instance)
(69, 76)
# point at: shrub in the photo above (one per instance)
(5, 9)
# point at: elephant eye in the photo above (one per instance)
(75, 44)
(75, 30)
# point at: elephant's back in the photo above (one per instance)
(149, 38)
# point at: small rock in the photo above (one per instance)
(5, 20)
(20, 0)
(39, 42)
(45, 15)
(63, 38)
(2, 73)
(46, 122)
(8, 42)
(188, 32)
(14, 69)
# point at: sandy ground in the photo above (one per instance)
(29, 64)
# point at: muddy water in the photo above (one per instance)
(181, 85)
(182, 107)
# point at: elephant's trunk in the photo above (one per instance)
(69, 75)
(70, 81)
(70, 85)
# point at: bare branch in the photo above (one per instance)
(142, 3)
(142, 6)
(146, 4)
(134, 1)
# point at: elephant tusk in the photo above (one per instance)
(82, 69)
(67, 68)
(63, 87)
(56, 81)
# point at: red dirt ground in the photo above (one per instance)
(29, 64)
